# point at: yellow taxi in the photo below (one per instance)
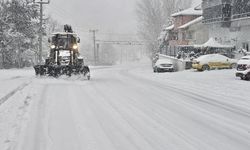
(213, 61)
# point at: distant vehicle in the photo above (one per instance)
(163, 65)
(64, 57)
(213, 61)
(243, 68)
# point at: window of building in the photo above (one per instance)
(174, 36)
(189, 35)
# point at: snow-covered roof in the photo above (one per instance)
(246, 57)
(197, 20)
(214, 44)
(244, 60)
(165, 31)
(210, 57)
(189, 11)
(169, 28)
(163, 61)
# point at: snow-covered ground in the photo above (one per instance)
(125, 108)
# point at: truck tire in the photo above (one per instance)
(247, 77)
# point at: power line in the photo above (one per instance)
(60, 12)
(122, 42)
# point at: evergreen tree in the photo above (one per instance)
(18, 31)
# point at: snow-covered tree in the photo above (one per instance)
(153, 15)
(18, 31)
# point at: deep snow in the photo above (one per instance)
(124, 108)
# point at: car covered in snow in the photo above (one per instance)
(243, 68)
(163, 65)
(213, 61)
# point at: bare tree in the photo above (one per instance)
(153, 15)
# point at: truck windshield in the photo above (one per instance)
(64, 41)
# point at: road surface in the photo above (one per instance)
(133, 109)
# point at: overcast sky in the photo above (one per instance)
(106, 15)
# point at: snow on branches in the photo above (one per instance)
(18, 32)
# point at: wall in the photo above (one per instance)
(181, 20)
(200, 34)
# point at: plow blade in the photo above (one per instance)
(56, 71)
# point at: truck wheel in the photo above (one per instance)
(247, 77)
(155, 70)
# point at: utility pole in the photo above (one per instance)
(97, 53)
(94, 42)
(41, 3)
(121, 57)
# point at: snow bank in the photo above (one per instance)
(14, 116)
(13, 79)
(179, 64)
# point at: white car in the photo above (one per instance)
(243, 68)
(163, 65)
(213, 61)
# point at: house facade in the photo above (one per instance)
(187, 29)
(228, 21)
(194, 32)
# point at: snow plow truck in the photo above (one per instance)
(64, 57)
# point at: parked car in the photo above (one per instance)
(243, 68)
(163, 65)
(213, 61)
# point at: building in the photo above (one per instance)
(181, 18)
(187, 29)
(194, 32)
(228, 21)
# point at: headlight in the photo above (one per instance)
(52, 46)
(75, 46)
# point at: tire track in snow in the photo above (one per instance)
(167, 128)
(211, 127)
(193, 96)
(126, 106)
(134, 135)
(13, 92)
(130, 107)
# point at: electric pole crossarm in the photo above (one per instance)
(41, 2)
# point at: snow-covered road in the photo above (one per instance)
(128, 108)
